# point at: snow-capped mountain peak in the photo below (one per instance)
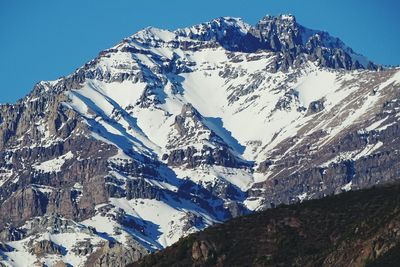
(169, 132)
(279, 34)
(216, 28)
(152, 33)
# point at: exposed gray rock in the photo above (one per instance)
(83, 248)
(202, 251)
(315, 107)
(9, 233)
(60, 264)
(55, 224)
(43, 247)
(139, 188)
(116, 255)
(192, 220)
(192, 128)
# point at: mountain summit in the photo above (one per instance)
(292, 42)
(169, 132)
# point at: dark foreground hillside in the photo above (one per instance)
(360, 228)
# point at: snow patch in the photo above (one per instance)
(54, 165)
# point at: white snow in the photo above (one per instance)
(155, 33)
(163, 221)
(54, 165)
(21, 256)
(347, 187)
(302, 196)
(253, 204)
(375, 125)
(241, 178)
(316, 85)
(368, 150)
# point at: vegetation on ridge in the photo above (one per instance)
(358, 228)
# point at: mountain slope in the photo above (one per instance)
(169, 132)
(352, 229)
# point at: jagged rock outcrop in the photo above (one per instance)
(142, 189)
(190, 128)
(294, 43)
(43, 247)
(116, 255)
(202, 251)
(315, 107)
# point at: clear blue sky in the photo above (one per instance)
(46, 39)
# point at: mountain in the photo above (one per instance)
(358, 228)
(169, 132)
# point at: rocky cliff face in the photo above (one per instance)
(169, 132)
